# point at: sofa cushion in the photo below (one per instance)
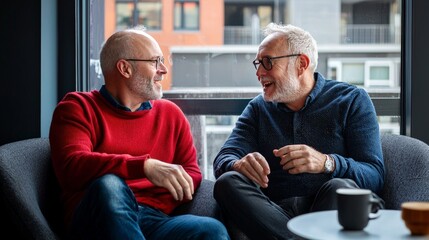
(406, 170)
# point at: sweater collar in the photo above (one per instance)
(103, 91)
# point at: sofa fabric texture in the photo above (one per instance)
(30, 193)
(406, 162)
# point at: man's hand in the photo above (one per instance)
(300, 158)
(173, 177)
(255, 167)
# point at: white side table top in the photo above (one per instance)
(324, 225)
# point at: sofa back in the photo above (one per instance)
(30, 191)
(406, 162)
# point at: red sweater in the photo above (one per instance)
(90, 138)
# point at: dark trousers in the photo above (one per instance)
(245, 206)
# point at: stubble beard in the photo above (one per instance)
(147, 88)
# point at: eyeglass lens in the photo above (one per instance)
(266, 63)
(159, 60)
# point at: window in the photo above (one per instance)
(213, 61)
(134, 12)
(353, 73)
(379, 73)
(186, 15)
(243, 21)
(365, 72)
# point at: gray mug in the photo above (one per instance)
(354, 208)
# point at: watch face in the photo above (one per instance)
(328, 165)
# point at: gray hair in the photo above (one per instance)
(298, 40)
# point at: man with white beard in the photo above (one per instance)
(297, 142)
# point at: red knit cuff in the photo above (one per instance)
(135, 166)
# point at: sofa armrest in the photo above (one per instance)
(406, 162)
(203, 203)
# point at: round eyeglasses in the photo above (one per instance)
(157, 60)
(267, 61)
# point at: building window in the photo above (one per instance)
(353, 73)
(186, 15)
(379, 74)
(368, 73)
(136, 12)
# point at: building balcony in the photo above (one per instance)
(242, 35)
(377, 34)
(370, 34)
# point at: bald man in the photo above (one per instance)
(124, 157)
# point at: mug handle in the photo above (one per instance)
(377, 213)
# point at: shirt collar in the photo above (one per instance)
(103, 91)
(317, 89)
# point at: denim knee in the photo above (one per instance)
(212, 229)
(107, 209)
(107, 182)
(111, 190)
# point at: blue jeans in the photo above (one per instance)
(109, 210)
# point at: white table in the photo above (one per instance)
(324, 225)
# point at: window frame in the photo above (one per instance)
(338, 64)
(413, 50)
(375, 82)
(136, 13)
(183, 16)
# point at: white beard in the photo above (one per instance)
(287, 90)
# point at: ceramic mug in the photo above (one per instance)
(355, 208)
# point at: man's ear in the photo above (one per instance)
(303, 63)
(124, 67)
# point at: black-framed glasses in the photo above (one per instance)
(267, 63)
(157, 60)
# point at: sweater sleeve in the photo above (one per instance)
(364, 161)
(73, 138)
(242, 141)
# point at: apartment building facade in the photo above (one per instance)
(210, 44)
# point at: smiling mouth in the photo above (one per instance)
(267, 84)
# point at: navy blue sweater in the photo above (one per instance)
(337, 119)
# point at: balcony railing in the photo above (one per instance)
(350, 34)
(242, 36)
(370, 34)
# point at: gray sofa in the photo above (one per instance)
(29, 191)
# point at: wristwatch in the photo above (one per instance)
(329, 164)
